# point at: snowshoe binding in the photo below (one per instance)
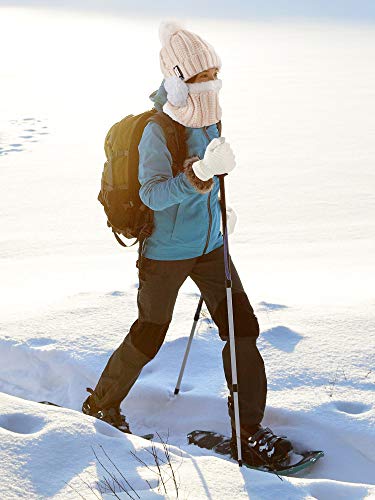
(112, 416)
(261, 447)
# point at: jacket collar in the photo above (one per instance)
(159, 97)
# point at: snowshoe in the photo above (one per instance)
(261, 447)
(296, 462)
(112, 416)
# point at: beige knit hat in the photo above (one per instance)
(183, 53)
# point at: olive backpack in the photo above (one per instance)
(119, 193)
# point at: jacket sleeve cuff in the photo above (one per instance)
(200, 186)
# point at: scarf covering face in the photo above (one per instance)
(199, 105)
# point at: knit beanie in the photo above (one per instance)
(183, 53)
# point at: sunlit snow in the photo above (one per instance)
(298, 103)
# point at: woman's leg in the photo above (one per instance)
(159, 283)
(209, 275)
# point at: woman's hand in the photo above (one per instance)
(218, 159)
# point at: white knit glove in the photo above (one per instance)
(218, 159)
(231, 219)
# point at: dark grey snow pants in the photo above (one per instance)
(159, 283)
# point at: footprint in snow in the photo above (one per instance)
(351, 407)
(40, 341)
(21, 423)
(267, 306)
(11, 150)
(282, 338)
(17, 135)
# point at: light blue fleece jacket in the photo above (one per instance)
(186, 222)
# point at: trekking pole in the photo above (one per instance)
(228, 286)
(196, 318)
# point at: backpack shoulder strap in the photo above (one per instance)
(175, 136)
(219, 127)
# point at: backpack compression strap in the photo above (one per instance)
(175, 136)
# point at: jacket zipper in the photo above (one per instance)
(209, 208)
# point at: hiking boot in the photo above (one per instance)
(112, 416)
(261, 447)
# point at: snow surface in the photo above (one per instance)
(298, 101)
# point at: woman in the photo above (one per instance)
(187, 242)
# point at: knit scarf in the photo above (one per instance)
(201, 106)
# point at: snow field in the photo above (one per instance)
(299, 117)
